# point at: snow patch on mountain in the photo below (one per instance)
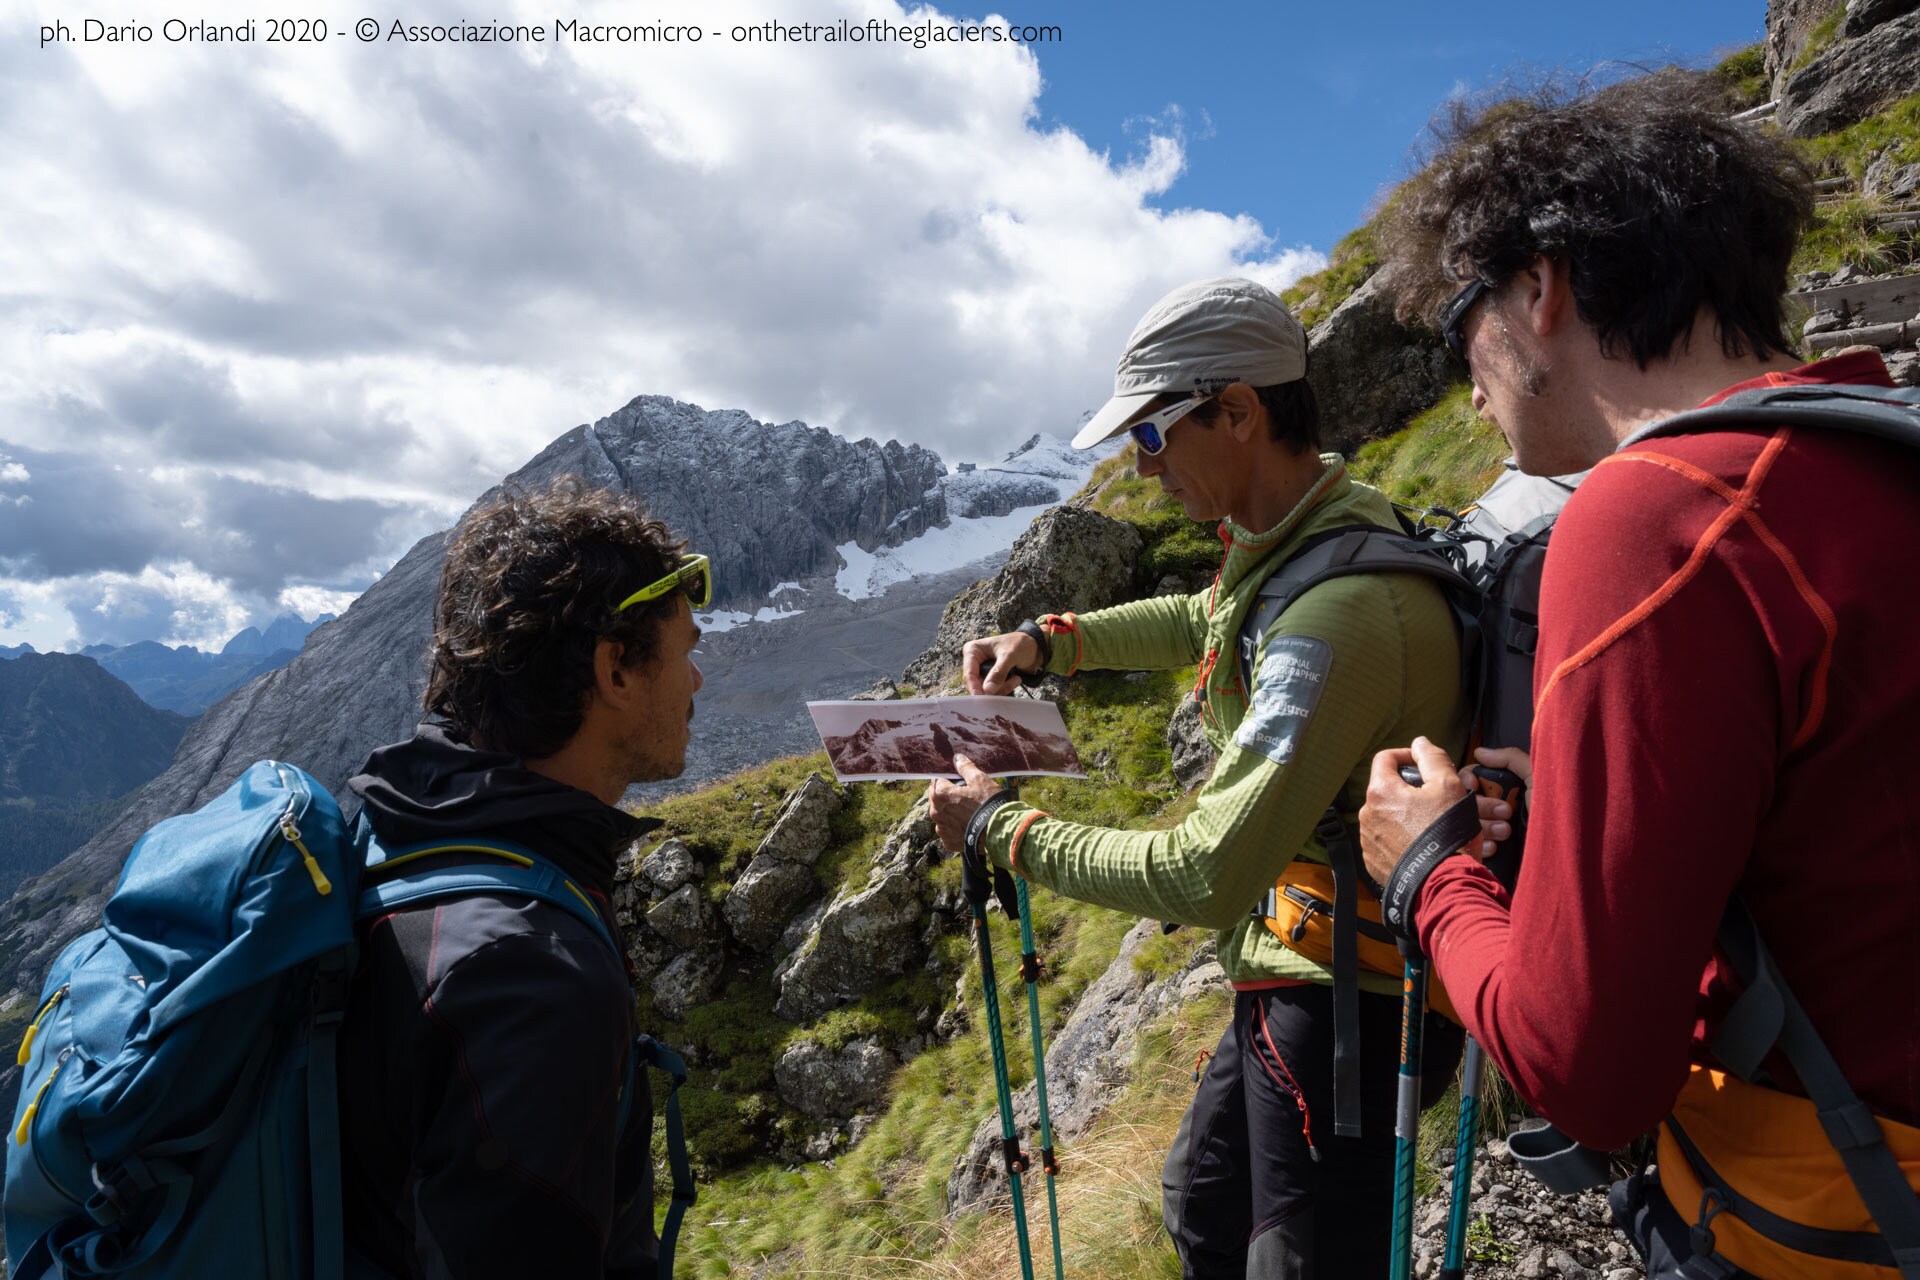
(868, 573)
(728, 619)
(987, 508)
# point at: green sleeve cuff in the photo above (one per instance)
(1001, 827)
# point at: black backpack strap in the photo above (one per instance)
(1767, 1014)
(1344, 858)
(1338, 553)
(1891, 413)
(663, 1059)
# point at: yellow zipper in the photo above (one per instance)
(33, 1108)
(33, 1028)
(292, 833)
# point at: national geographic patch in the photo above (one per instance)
(1286, 689)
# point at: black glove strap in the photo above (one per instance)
(1041, 638)
(1440, 841)
(975, 880)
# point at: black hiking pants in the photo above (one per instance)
(1242, 1194)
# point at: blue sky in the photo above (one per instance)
(1301, 114)
(268, 314)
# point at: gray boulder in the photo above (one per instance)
(802, 832)
(865, 938)
(689, 979)
(1371, 373)
(767, 895)
(683, 917)
(1068, 560)
(1089, 1064)
(834, 1084)
(1790, 23)
(1853, 79)
(670, 866)
(1885, 179)
(1193, 755)
(1864, 15)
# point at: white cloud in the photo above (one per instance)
(390, 273)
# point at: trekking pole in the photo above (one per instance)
(977, 885)
(1406, 1117)
(1454, 1265)
(1030, 970)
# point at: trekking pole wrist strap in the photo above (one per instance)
(1040, 638)
(976, 877)
(977, 824)
(1440, 841)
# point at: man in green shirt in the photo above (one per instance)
(1212, 388)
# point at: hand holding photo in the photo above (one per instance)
(918, 738)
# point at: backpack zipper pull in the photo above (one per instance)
(292, 833)
(33, 1108)
(33, 1028)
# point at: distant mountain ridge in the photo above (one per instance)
(70, 731)
(73, 742)
(188, 680)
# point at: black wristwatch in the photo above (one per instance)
(1041, 638)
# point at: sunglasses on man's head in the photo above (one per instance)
(1453, 317)
(694, 576)
(1150, 433)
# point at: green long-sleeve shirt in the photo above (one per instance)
(1371, 660)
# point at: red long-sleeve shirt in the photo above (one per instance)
(1727, 694)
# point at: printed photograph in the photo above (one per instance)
(918, 738)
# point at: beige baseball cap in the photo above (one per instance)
(1202, 337)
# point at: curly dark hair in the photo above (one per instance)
(529, 588)
(1659, 202)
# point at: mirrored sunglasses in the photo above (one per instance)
(1150, 433)
(1453, 318)
(694, 576)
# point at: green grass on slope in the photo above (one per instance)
(1446, 457)
(1846, 232)
(1175, 544)
(1744, 74)
(1822, 38)
(1313, 298)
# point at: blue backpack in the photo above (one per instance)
(178, 1113)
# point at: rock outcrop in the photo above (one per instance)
(834, 1084)
(1863, 16)
(867, 936)
(1370, 373)
(1854, 78)
(1790, 24)
(1192, 754)
(777, 884)
(1068, 560)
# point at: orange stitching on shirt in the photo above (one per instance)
(1213, 594)
(1019, 832)
(1739, 504)
(1720, 487)
(1817, 702)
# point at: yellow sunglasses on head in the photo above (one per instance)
(694, 575)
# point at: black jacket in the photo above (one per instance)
(487, 1040)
